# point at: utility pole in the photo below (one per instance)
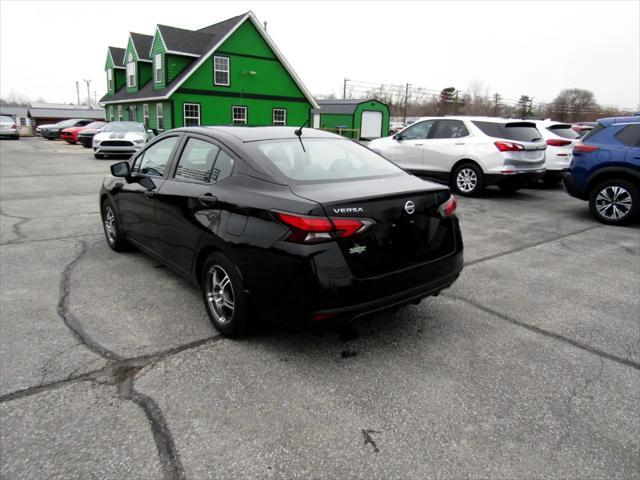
(344, 88)
(78, 91)
(496, 100)
(406, 98)
(455, 103)
(88, 82)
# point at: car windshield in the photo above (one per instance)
(67, 123)
(322, 159)
(123, 127)
(95, 125)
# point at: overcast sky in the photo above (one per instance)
(514, 48)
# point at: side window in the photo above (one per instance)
(449, 129)
(154, 160)
(630, 135)
(419, 131)
(223, 167)
(197, 160)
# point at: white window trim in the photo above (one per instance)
(120, 113)
(110, 79)
(158, 68)
(145, 115)
(184, 112)
(160, 115)
(233, 115)
(273, 117)
(131, 65)
(227, 71)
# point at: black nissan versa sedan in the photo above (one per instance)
(299, 225)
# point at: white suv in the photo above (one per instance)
(469, 153)
(560, 138)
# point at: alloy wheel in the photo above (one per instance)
(613, 202)
(466, 180)
(110, 225)
(220, 294)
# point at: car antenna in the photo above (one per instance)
(298, 133)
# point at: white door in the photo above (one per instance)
(316, 120)
(446, 144)
(371, 124)
(405, 148)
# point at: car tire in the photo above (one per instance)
(614, 202)
(99, 156)
(86, 146)
(71, 142)
(468, 180)
(509, 188)
(551, 180)
(112, 229)
(224, 297)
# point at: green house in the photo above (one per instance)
(353, 118)
(229, 73)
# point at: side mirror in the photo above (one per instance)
(121, 169)
(397, 136)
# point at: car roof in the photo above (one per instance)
(253, 134)
(615, 120)
(477, 119)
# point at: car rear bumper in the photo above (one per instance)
(518, 176)
(9, 132)
(570, 186)
(324, 288)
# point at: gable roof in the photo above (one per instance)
(142, 44)
(340, 106)
(117, 55)
(217, 33)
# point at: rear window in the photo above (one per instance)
(5, 119)
(564, 131)
(630, 135)
(321, 159)
(518, 131)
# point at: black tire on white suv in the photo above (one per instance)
(468, 180)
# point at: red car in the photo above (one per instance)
(70, 135)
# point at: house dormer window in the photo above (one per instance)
(131, 71)
(221, 71)
(158, 68)
(110, 79)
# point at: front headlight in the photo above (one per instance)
(96, 141)
(138, 140)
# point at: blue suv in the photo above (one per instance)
(605, 170)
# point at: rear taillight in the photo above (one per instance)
(308, 229)
(448, 208)
(558, 143)
(13, 125)
(509, 146)
(582, 148)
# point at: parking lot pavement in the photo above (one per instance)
(528, 367)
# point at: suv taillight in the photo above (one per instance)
(13, 125)
(558, 143)
(582, 148)
(309, 229)
(509, 146)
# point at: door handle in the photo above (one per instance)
(459, 143)
(207, 199)
(150, 193)
(418, 144)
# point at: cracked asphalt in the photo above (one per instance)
(528, 367)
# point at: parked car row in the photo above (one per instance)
(106, 138)
(471, 153)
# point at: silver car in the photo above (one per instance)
(120, 138)
(8, 127)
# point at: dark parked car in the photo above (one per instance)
(51, 132)
(605, 170)
(86, 134)
(308, 228)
